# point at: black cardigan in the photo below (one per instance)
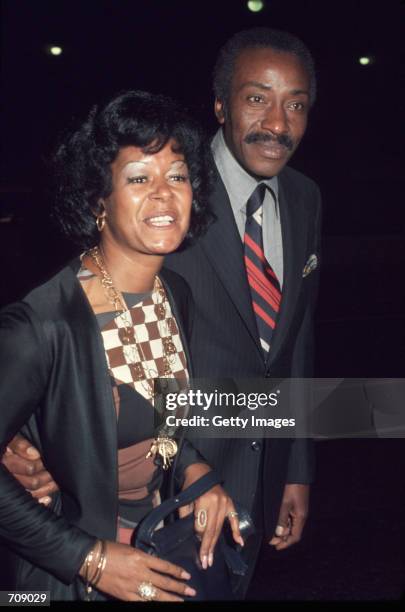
(51, 353)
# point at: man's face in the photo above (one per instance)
(267, 111)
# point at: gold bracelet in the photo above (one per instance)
(88, 563)
(101, 564)
(94, 563)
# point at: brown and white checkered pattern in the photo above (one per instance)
(150, 323)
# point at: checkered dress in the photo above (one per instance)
(153, 326)
(150, 323)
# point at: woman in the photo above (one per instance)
(79, 356)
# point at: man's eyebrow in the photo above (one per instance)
(255, 84)
(297, 92)
(293, 92)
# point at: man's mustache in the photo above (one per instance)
(282, 140)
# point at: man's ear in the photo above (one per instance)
(219, 110)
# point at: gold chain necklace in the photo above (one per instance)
(162, 445)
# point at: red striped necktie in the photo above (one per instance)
(264, 286)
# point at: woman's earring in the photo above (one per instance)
(100, 222)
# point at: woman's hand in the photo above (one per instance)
(126, 568)
(210, 511)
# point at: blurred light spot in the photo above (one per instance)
(364, 61)
(255, 5)
(55, 50)
(6, 219)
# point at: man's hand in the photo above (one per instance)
(25, 464)
(292, 517)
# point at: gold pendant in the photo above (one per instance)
(166, 448)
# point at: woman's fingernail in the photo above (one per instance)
(190, 591)
(279, 530)
(33, 452)
(185, 575)
(210, 559)
(205, 561)
(44, 500)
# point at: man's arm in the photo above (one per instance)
(301, 468)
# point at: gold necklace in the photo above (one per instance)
(162, 445)
(116, 298)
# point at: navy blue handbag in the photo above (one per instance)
(177, 542)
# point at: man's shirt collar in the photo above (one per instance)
(238, 183)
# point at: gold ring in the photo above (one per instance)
(232, 514)
(147, 591)
(201, 518)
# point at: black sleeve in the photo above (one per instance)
(27, 527)
(301, 467)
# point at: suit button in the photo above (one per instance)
(256, 446)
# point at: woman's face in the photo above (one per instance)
(149, 208)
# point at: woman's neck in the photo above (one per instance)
(131, 272)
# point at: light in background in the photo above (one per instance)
(365, 60)
(255, 6)
(54, 50)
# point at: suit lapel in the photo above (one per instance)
(294, 230)
(223, 247)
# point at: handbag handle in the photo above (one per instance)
(198, 488)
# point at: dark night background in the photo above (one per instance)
(353, 547)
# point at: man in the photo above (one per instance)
(253, 275)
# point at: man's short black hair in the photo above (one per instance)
(257, 38)
(83, 160)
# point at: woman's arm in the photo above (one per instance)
(32, 530)
(28, 528)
